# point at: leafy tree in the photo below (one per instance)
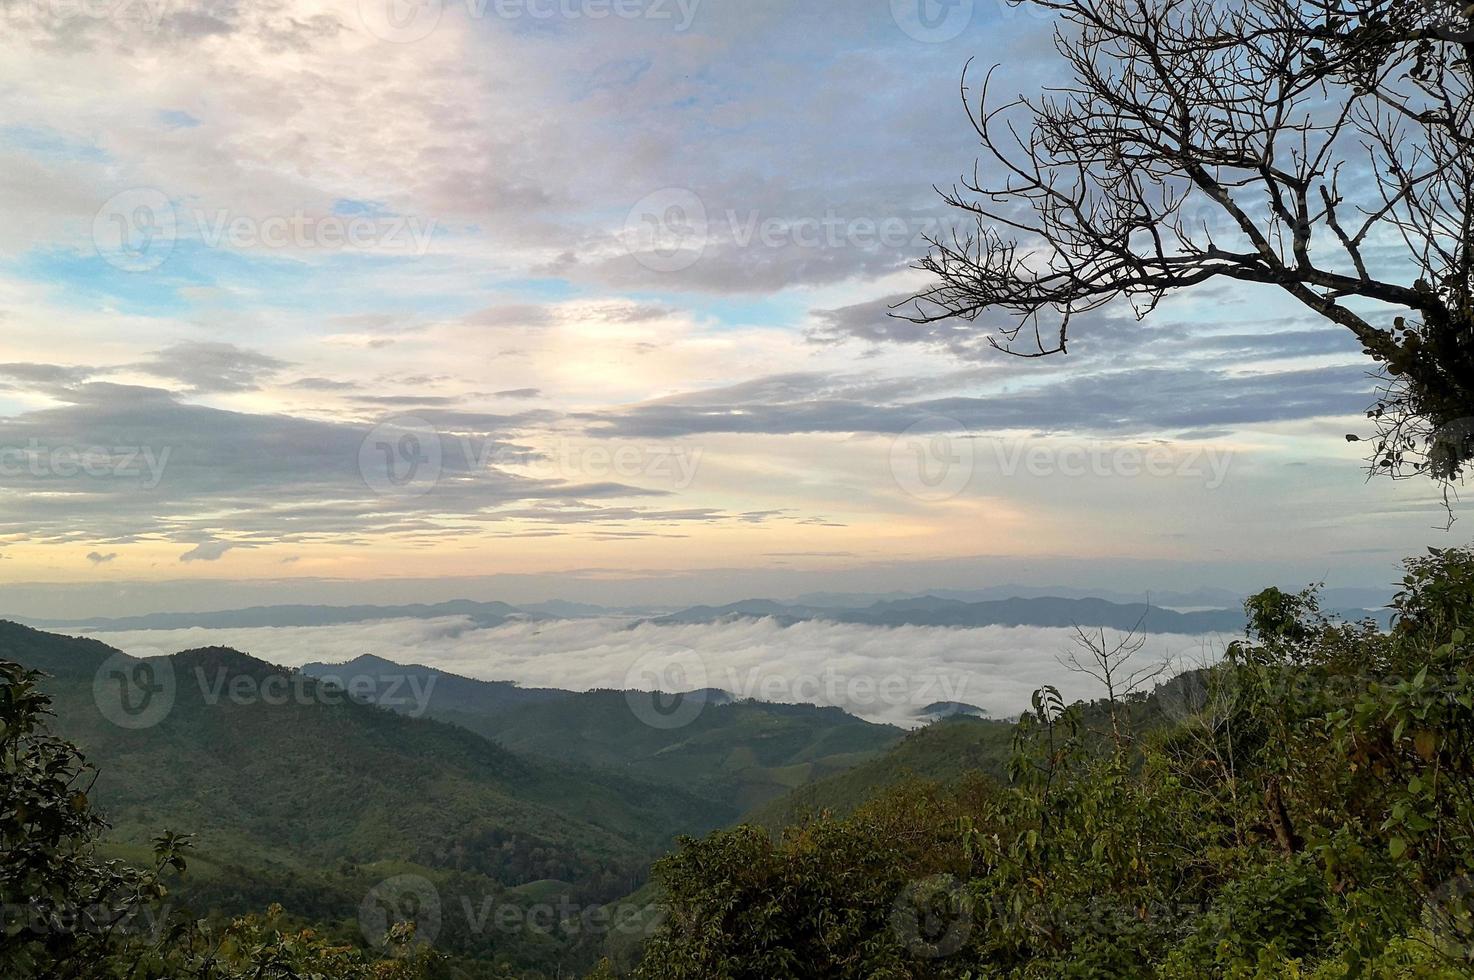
(830, 899)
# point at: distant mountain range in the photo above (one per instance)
(1045, 611)
(1041, 611)
(1340, 598)
(959, 609)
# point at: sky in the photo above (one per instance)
(327, 299)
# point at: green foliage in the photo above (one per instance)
(942, 752)
(738, 756)
(70, 913)
(277, 819)
(1282, 907)
(310, 802)
(818, 903)
(1306, 810)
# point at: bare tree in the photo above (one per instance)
(1109, 663)
(1324, 147)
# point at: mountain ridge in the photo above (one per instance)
(941, 607)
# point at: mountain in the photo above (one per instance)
(416, 690)
(301, 790)
(938, 710)
(749, 608)
(563, 609)
(1218, 610)
(733, 754)
(1201, 598)
(1041, 611)
(301, 794)
(958, 744)
(1047, 611)
(942, 751)
(931, 610)
(740, 754)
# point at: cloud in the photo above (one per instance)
(1107, 337)
(158, 467)
(1137, 401)
(875, 322)
(207, 366)
(527, 288)
(100, 559)
(395, 401)
(882, 674)
(46, 376)
(321, 384)
(207, 551)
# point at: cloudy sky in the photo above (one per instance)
(535, 296)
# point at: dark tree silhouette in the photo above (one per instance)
(1325, 147)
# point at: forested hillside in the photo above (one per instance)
(296, 793)
(737, 755)
(1305, 809)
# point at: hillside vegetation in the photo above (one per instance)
(734, 754)
(944, 752)
(1303, 810)
(311, 798)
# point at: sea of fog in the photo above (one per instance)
(884, 674)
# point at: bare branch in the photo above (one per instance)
(1323, 147)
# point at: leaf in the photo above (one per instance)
(1397, 847)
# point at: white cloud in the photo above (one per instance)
(881, 674)
(207, 551)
